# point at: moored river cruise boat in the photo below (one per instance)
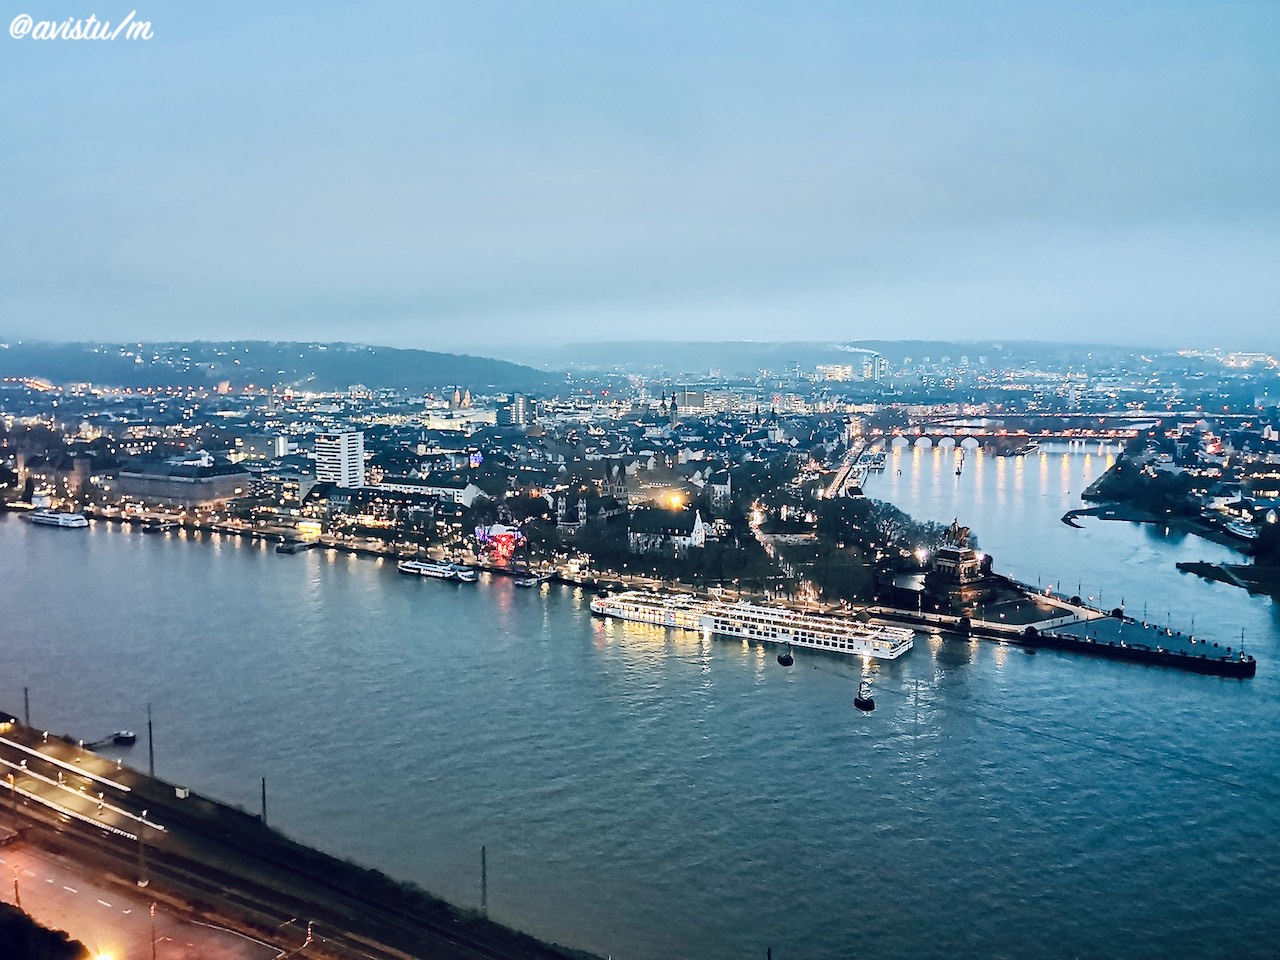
(440, 571)
(814, 631)
(52, 518)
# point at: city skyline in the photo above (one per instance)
(865, 584)
(466, 180)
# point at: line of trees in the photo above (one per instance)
(21, 938)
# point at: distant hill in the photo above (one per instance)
(314, 366)
(732, 358)
(735, 358)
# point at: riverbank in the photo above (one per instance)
(1264, 580)
(638, 788)
(222, 865)
(1132, 514)
(1042, 613)
(1255, 579)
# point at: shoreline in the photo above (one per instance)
(1263, 581)
(1256, 580)
(1051, 631)
(217, 863)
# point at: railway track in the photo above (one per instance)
(225, 865)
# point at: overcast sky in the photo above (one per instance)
(459, 175)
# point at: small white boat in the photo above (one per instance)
(52, 518)
(1242, 529)
(440, 571)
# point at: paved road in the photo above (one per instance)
(109, 921)
(207, 861)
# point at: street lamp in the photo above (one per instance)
(143, 880)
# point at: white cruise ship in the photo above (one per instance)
(52, 518)
(441, 571)
(754, 622)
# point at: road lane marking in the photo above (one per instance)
(69, 889)
(103, 902)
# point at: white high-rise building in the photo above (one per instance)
(340, 458)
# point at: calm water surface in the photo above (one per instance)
(649, 794)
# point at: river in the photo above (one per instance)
(646, 794)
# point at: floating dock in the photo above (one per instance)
(1128, 639)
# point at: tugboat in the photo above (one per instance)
(864, 701)
(785, 658)
(124, 738)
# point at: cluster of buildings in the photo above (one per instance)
(669, 465)
(376, 463)
(1225, 469)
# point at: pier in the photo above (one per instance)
(1129, 639)
(1078, 628)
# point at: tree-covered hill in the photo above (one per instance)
(315, 366)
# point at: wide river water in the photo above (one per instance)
(646, 794)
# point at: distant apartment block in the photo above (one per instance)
(517, 413)
(835, 371)
(262, 446)
(692, 401)
(869, 366)
(340, 458)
